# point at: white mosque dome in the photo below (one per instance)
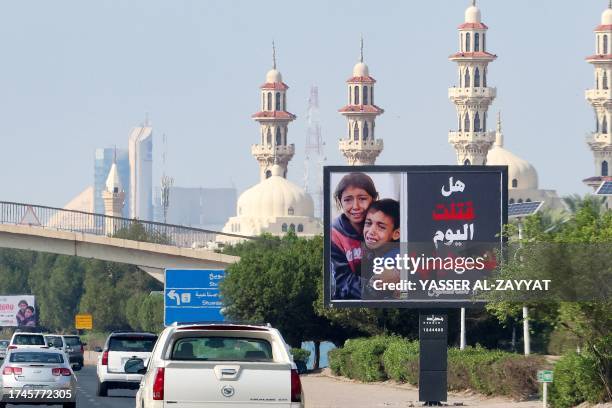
(472, 14)
(520, 170)
(275, 197)
(361, 70)
(274, 77)
(606, 17)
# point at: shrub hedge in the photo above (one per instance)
(300, 354)
(575, 381)
(489, 372)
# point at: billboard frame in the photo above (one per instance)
(403, 304)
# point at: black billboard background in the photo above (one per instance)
(430, 194)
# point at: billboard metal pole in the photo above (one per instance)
(462, 337)
(526, 336)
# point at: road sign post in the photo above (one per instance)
(83, 321)
(192, 295)
(545, 377)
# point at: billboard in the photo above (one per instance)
(18, 311)
(411, 236)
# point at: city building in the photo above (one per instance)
(205, 208)
(472, 97)
(274, 205)
(360, 145)
(140, 153)
(84, 202)
(103, 161)
(600, 141)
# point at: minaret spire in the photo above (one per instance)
(600, 140)
(360, 145)
(361, 49)
(499, 123)
(472, 96)
(273, 118)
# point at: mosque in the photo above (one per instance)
(276, 205)
(600, 141)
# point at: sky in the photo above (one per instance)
(77, 75)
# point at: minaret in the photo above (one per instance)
(360, 146)
(600, 141)
(472, 97)
(273, 120)
(114, 198)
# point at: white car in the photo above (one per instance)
(213, 365)
(37, 376)
(21, 340)
(121, 347)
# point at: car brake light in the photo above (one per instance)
(158, 385)
(11, 370)
(296, 387)
(82, 349)
(12, 347)
(105, 358)
(61, 371)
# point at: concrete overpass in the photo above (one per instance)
(67, 232)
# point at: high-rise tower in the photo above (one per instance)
(472, 97)
(600, 141)
(273, 120)
(360, 145)
(140, 152)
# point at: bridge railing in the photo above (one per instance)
(103, 225)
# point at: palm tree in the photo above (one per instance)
(574, 202)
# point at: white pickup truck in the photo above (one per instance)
(219, 365)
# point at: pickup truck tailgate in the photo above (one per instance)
(190, 384)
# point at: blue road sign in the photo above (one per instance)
(192, 295)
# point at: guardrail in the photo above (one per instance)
(103, 225)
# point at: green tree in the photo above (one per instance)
(15, 266)
(101, 299)
(138, 232)
(277, 281)
(151, 313)
(57, 282)
(576, 257)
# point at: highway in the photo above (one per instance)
(86, 393)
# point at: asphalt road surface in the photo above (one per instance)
(86, 393)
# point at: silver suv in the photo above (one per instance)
(121, 347)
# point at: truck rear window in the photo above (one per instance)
(34, 357)
(221, 349)
(29, 340)
(135, 344)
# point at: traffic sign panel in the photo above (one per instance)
(545, 376)
(83, 321)
(192, 295)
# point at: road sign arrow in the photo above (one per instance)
(173, 295)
